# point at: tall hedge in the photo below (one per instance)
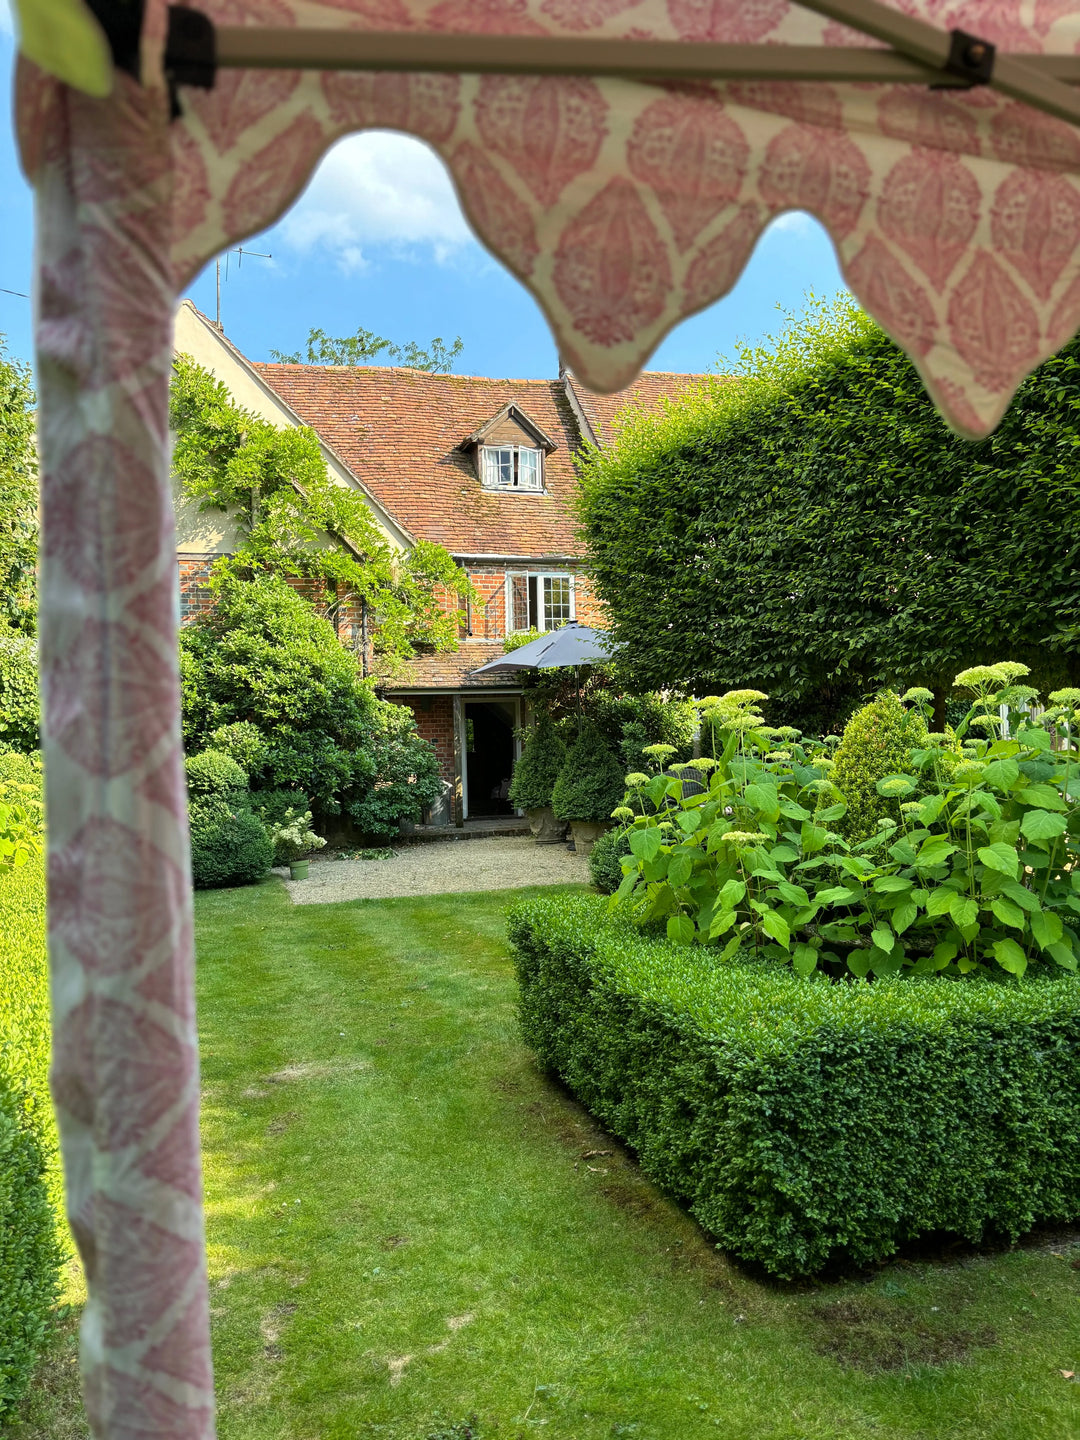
(812, 529)
(804, 1121)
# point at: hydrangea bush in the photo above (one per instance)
(977, 874)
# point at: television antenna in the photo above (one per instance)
(240, 252)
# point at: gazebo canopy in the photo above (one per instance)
(621, 157)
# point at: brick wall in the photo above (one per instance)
(486, 618)
(435, 722)
(194, 592)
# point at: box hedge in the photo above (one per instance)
(804, 1121)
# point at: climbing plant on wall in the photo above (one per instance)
(294, 519)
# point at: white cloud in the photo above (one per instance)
(794, 222)
(377, 189)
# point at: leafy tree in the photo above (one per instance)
(541, 760)
(365, 346)
(812, 528)
(263, 658)
(18, 496)
(274, 485)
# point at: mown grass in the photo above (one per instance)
(409, 1225)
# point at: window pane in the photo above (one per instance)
(529, 469)
(519, 602)
(498, 467)
(556, 600)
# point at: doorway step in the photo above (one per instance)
(483, 829)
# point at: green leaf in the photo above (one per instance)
(731, 892)
(804, 959)
(905, 914)
(645, 842)
(763, 798)
(1021, 895)
(1009, 956)
(680, 929)
(883, 937)
(1008, 913)
(1042, 825)
(681, 868)
(793, 810)
(964, 910)
(1063, 954)
(892, 885)
(943, 953)
(688, 820)
(730, 948)
(1046, 928)
(1002, 774)
(793, 894)
(831, 812)
(1044, 796)
(783, 854)
(1000, 857)
(776, 926)
(721, 923)
(930, 808)
(940, 901)
(656, 868)
(839, 895)
(812, 837)
(933, 851)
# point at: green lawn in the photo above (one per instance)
(408, 1224)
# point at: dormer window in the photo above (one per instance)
(511, 467)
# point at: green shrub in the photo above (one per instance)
(277, 807)
(229, 844)
(211, 773)
(20, 709)
(263, 658)
(30, 1254)
(981, 873)
(290, 834)
(31, 1187)
(243, 743)
(542, 757)
(629, 722)
(590, 783)
(806, 1122)
(605, 870)
(877, 741)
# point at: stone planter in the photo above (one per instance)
(586, 833)
(545, 828)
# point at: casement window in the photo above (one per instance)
(538, 601)
(511, 467)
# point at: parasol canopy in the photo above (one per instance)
(571, 644)
(621, 157)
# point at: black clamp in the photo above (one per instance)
(190, 52)
(122, 22)
(970, 58)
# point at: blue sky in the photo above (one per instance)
(378, 240)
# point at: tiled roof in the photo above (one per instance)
(398, 431)
(452, 670)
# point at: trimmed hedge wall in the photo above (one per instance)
(30, 1226)
(803, 1121)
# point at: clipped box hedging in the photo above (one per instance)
(804, 1121)
(30, 1185)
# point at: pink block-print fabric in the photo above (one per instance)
(623, 207)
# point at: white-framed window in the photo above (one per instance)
(511, 467)
(538, 600)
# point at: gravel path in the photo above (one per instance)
(440, 868)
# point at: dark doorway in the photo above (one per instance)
(489, 756)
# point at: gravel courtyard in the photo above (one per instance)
(440, 868)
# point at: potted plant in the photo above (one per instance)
(293, 840)
(590, 785)
(534, 779)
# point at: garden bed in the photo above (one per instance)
(804, 1121)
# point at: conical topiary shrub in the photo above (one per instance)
(536, 772)
(877, 741)
(591, 782)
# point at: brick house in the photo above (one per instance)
(485, 468)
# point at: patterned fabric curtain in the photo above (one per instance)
(623, 206)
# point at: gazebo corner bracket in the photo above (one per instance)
(970, 58)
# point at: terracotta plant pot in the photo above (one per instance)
(586, 833)
(545, 828)
(298, 869)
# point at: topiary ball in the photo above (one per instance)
(229, 845)
(212, 773)
(877, 741)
